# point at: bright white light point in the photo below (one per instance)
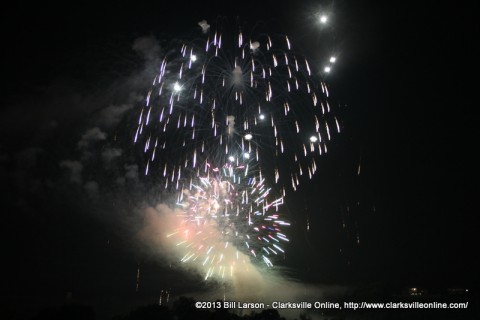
(323, 19)
(313, 139)
(254, 45)
(246, 155)
(231, 158)
(262, 117)
(204, 25)
(248, 136)
(193, 58)
(327, 69)
(177, 87)
(333, 59)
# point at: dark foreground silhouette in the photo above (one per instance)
(183, 308)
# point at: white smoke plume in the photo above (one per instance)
(248, 283)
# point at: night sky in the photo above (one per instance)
(405, 84)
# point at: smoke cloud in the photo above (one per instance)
(162, 231)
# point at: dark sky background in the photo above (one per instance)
(405, 79)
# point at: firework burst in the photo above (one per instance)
(226, 97)
(227, 220)
(229, 115)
